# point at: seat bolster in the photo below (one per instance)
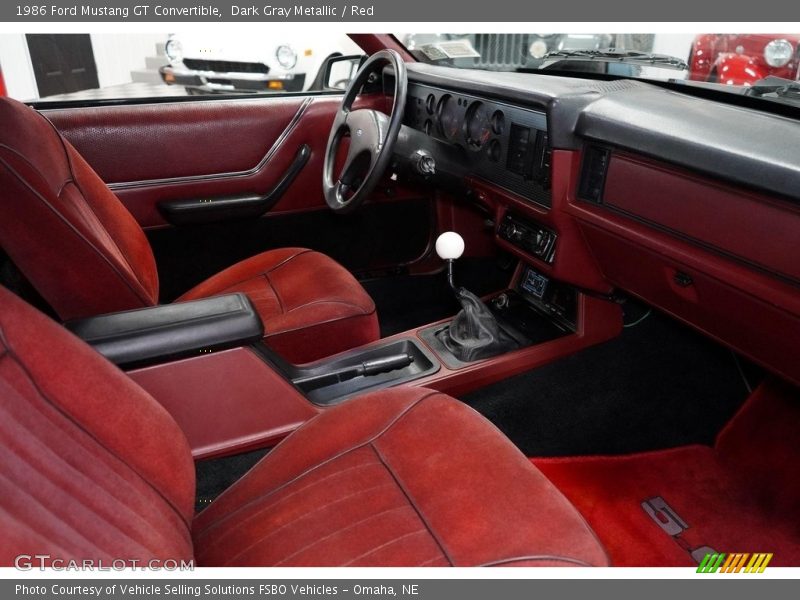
(324, 335)
(63, 227)
(474, 489)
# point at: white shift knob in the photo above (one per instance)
(449, 245)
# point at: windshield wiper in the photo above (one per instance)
(624, 56)
(782, 88)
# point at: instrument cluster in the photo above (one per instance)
(475, 124)
(504, 144)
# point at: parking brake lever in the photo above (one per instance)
(367, 368)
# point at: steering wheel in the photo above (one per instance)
(372, 137)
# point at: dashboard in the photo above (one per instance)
(688, 203)
(501, 143)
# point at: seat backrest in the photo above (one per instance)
(90, 465)
(63, 227)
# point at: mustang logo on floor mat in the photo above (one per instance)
(673, 525)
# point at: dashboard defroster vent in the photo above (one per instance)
(593, 173)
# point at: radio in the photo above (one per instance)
(533, 238)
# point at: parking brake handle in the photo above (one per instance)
(367, 368)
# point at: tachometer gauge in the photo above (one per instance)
(447, 112)
(430, 103)
(479, 124)
(498, 122)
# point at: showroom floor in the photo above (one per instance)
(122, 91)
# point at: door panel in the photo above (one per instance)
(160, 152)
(155, 153)
(138, 145)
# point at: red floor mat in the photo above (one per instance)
(741, 496)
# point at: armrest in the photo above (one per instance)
(150, 335)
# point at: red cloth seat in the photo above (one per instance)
(94, 468)
(86, 254)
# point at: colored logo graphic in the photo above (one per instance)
(734, 563)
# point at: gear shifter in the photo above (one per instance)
(474, 333)
(449, 247)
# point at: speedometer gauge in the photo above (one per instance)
(479, 124)
(447, 112)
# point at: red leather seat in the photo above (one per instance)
(86, 255)
(94, 468)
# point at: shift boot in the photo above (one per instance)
(474, 333)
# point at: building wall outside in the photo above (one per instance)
(116, 56)
(16, 64)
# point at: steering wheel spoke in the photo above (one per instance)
(340, 120)
(372, 136)
(349, 173)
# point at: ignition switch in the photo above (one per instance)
(424, 163)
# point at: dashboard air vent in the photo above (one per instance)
(593, 173)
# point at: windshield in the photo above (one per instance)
(732, 61)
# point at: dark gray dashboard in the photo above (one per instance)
(736, 144)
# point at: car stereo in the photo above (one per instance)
(529, 236)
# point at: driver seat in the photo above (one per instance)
(86, 254)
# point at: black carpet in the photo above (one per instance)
(216, 475)
(408, 301)
(658, 385)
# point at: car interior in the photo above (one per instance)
(448, 317)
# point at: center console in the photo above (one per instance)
(535, 311)
(204, 361)
(554, 299)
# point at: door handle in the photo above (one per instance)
(193, 211)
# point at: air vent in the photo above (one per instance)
(593, 174)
